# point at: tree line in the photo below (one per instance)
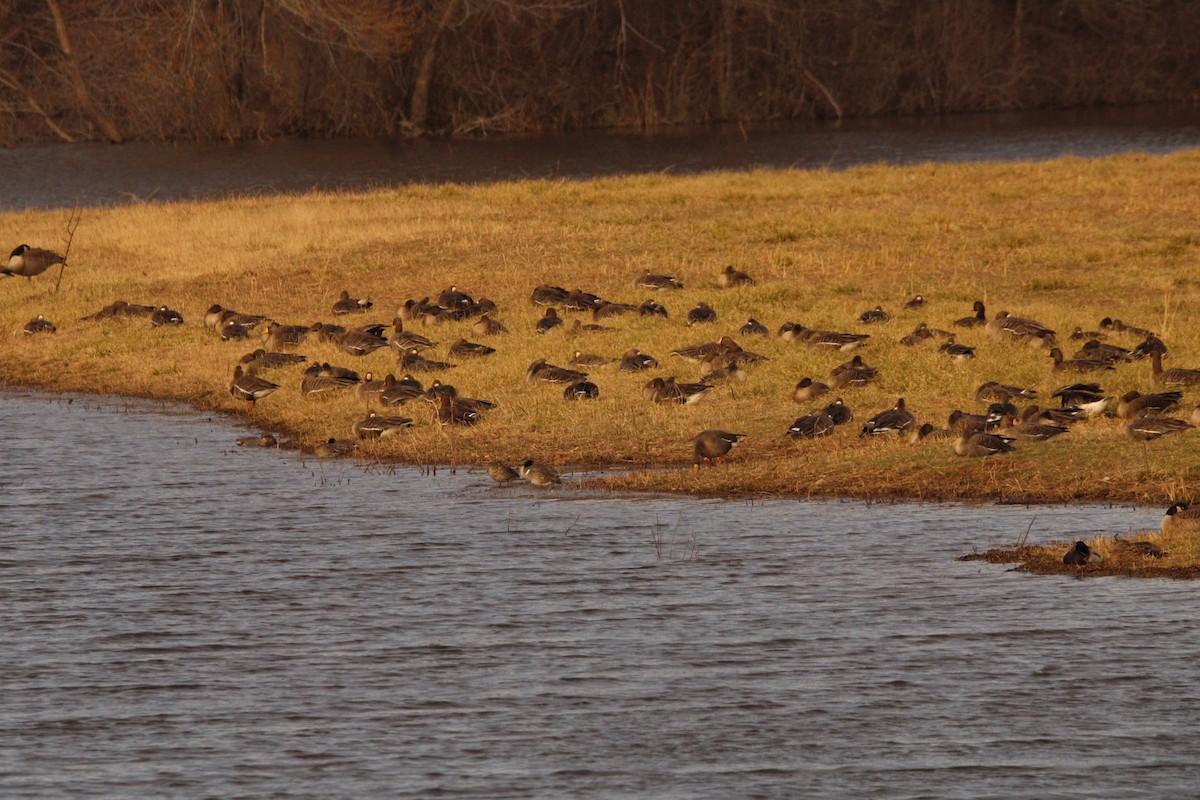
(115, 70)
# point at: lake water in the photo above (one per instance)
(180, 617)
(57, 175)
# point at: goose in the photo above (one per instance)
(377, 426)
(1006, 326)
(634, 360)
(1080, 554)
(579, 300)
(652, 309)
(413, 361)
(547, 295)
(29, 261)
(914, 302)
(979, 320)
(370, 388)
(929, 432)
(995, 391)
(1080, 335)
(360, 343)
(165, 316)
(581, 390)
(233, 331)
(966, 423)
(808, 389)
(1094, 350)
(1074, 394)
(539, 370)
(403, 341)
(713, 445)
(730, 278)
(464, 349)
(261, 359)
(1054, 416)
(326, 332)
(249, 388)
(345, 304)
(454, 298)
(538, 474)
(1076, 364)
(549, 321)
(581, 359)
(1171, 377)
(832, 340)
(282, 337)
(668, 390)
(896, 419)
(978, 445)
(1134, 404)
(450, 412)
(919, 335)
(729, 374)
(437, 390)
(839, 412)
(1147, 346)
(702, 314)
(39, 324)
(958, 352)
(753, 328)
(649, 280)
(502, 473)
(606, 310)
(486, 326)
(1154, 426)
(854, 372)
(398, 392)
(1181, 518)
(316, 383)
(1109, 324)
(874, 316)
(334, 448)
(811, 426)
(263, 440)
(1031, 430)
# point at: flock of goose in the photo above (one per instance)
(1148, 416)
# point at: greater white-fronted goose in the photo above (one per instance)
(712, 446)
(1171, 377)
(39, 324)
(977, 445)
(730, 278)
(649, 280)
(249, 388)
(895, 420)
(979, 319)
(1149, 427)
(1134, 404)
(811, 426)
(807, 389)
(378, 426)
(702, 314)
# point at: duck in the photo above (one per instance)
(538, 474)
(39, 324)
(1075, 364)
(502, 473)
(1181, 518)
(839, 412)
(464, 349)
(1171, 377)
(334, 448)
(549, 321)
(807, 389)
(702, 314)
(541, 371)
(634, 360)
(263, 440)
(811, 426)
(1134, 404)
(712, 446)
(980, 444)
(753, 327)
(730, 278)
(345, 304)
(581, 390)
(398, 392)
(486, 326)
(403, 341)
(1155, 426)
(914, 302)
(29, 261)
(249, 388)
(1080, 554)
(649, 280)
(377, 426)
(978, 320)
(896, 419)
(875, 316)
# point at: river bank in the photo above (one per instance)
(1065, 242)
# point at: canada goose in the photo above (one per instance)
(1171, 377)
(1134, 404)
(249, 388)
(652, 309)
(334, 448)
(730, 278)
(547, 295)
(808, 389)
(464, 349)
(486, 326)
(1153, 426)
(649, 280)
(1076, 364)
(915, 302)
(753, 328)
(377, 426)
(1080, 554)
(839, 412)
(345, 304)
(1181, 518)
(635, 360)
(502, 473)
(977, 445)
(39, 324)
(713, 445)
(811, 426)
(581, 390)
(263, 440)
(538, 474)
(978, 321)
(896, 419)
(702, 314)
(539, 370)
(549, 321)
(874, 316)
(29, 261)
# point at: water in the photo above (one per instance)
(181, 617)
(63, 176)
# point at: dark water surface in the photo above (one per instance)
(183, 618)
(63, 176)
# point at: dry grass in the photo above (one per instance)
(1065, 242)
(1178, 556)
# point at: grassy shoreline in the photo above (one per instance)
(1065, 242)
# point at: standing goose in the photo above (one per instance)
(28, 261)
(1171, 377)
(249, 388)
(713, 445)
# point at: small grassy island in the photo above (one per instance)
(1065, 243)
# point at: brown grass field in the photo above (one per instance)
(1065, 242)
